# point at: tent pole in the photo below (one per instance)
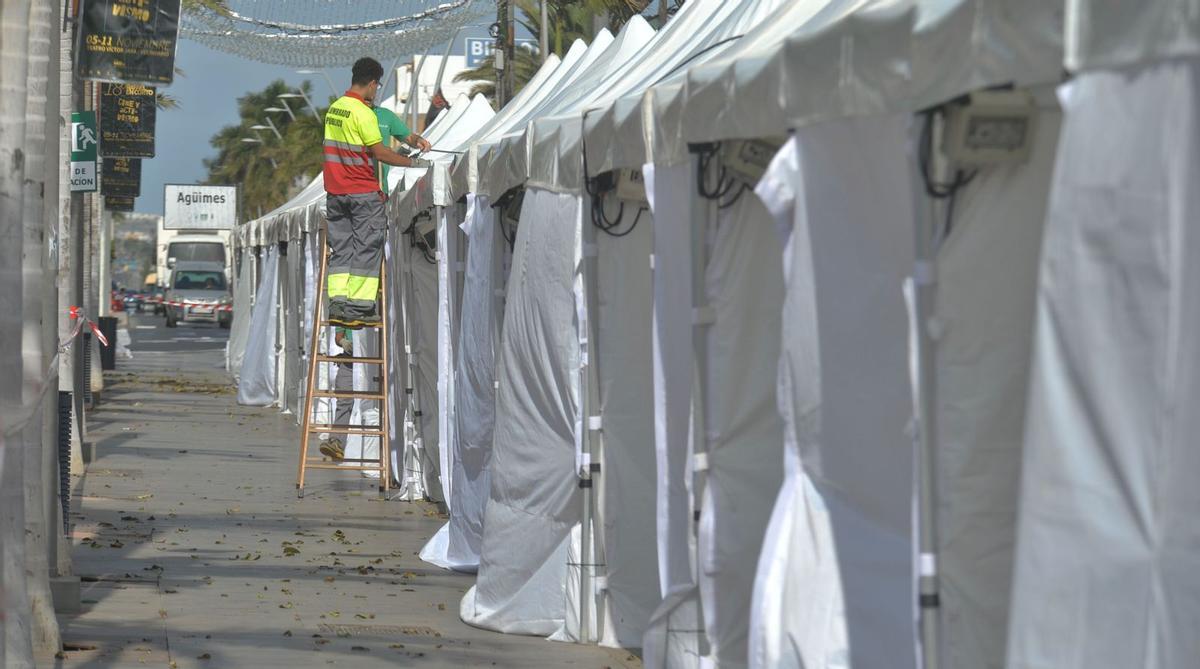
(924, 292)
(703, 317)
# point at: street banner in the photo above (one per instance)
(83, 152)
(118, 203)
(127, 115)
(128, 41)
(121, 177)
(193, 207)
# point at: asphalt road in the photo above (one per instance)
(150, 333)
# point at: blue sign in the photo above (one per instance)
(478, 48)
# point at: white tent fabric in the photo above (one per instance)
(545, 152)
(1101, 34)
(620, 353)
(257, 383)
(463, 175)
(449, 268)
(845, 533)
(416, 277)
(1108, 498)
(457, 545)
(612, 128)
(673, 638)
(503, 163)
(239, 329)
(534, 500)
(742, 431)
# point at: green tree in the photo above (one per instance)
(569, 20)
(271, 170)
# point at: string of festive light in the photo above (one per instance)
(329, 33)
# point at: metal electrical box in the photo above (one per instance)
(991, 128)
(749, 158)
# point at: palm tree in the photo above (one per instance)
(268, 170)
(569, 20)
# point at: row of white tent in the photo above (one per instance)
(742, 421)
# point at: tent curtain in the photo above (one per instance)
(835, 584)
(1107, 529)
(239, 329)
(257, 383)
(534, 491)
(474, 395)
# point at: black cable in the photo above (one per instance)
(696, 55)
(733, 200)
(935, 190)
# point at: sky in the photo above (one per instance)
(207, 96)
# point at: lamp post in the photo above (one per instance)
(287, 96)
(284, 108)
(270, 125)
(255, 140)
(332, 88)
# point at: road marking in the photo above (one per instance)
(146, 327)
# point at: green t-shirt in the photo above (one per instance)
(390, 126)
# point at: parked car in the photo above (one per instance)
(197, 291)
(133, 301)
(153, 300)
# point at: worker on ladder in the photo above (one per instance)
(356, 214)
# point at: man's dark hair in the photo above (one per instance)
(365, 71)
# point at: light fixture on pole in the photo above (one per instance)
(287, 96)
(332, 88)
(267, 127)
(272, 126)
(284, 108)
(255, 140)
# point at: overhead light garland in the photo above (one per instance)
(328, 33)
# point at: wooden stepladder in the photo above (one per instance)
(313, 391)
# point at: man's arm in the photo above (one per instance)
(418, 141)
(385, 155)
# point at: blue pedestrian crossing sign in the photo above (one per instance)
(84, 148)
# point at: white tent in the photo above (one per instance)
(821, 522)
(520, 589)
(1107, 550)
(469, 445)
(417, 295)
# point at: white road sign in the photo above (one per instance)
(188, 207)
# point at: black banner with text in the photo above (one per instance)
(128, 41)
(121, 177)
(127, 117)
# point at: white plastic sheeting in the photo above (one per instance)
(836, 588)
(457, 544)
(674, 636)
(1104, 34)
(257, 384)
(1107, 549)
(620, 355)
(738, 438)
(534, 501)
(239, 329)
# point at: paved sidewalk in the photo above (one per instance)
(195, 551)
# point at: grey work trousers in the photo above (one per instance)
(356, 233)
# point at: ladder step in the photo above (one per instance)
(346, 429)
(349, 394)
(353, 468)
(342, 359)
(357, 327)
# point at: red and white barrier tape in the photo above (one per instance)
(189, 303)
(80, 317)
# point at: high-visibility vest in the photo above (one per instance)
(350, 127)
